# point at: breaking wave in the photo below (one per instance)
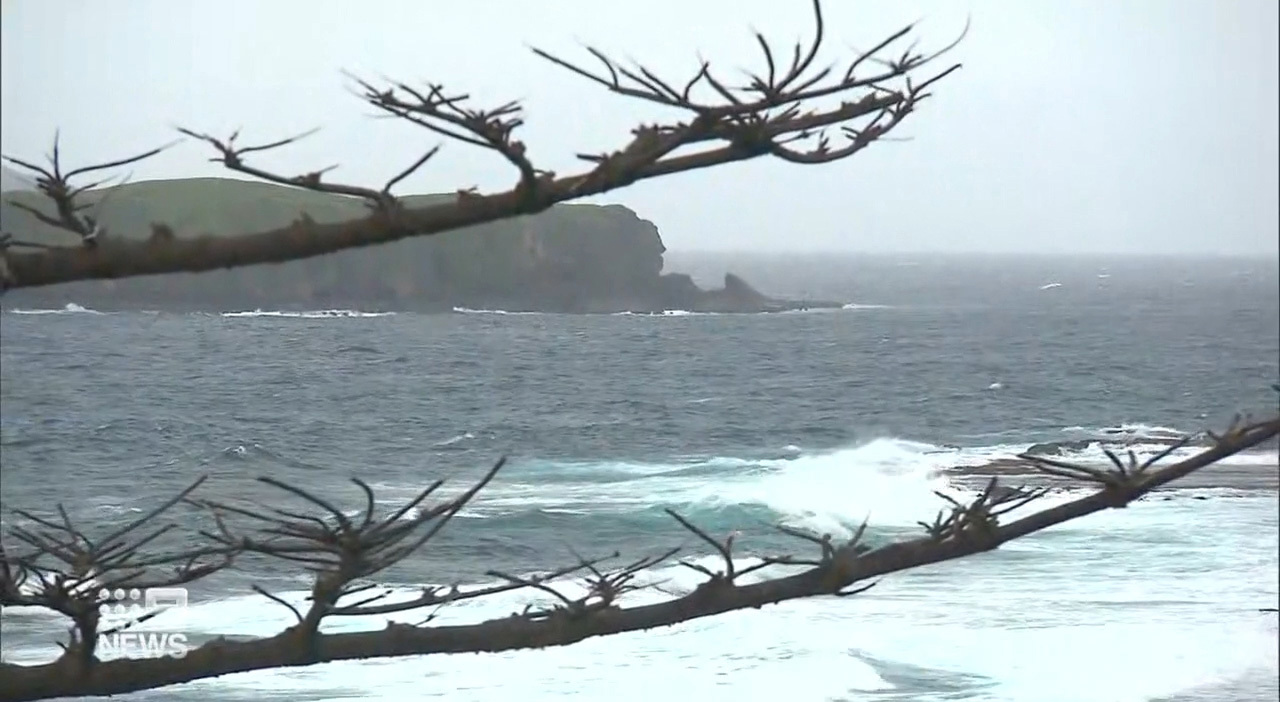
(907, 635)
(70, 308)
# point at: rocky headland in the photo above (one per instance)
(574, 258)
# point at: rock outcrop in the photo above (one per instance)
(572, 258)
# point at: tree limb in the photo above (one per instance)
(973, 528)
(765, 117)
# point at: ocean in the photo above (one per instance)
(815, 419)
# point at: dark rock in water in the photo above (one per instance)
(997, 466)
(1006, 492)
(737, 296)
(1057, 448)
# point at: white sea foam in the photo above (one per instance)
(1142, 619)
(70, 308)
(860, 306)
(684, 313)
(1095, 454)
(669, 313)
(1128, 430)
(454, 440)
(468, 310)
(893, 482)
(306, 314)
(1146, 613)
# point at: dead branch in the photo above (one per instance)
(844, 568)
(232, 156)
(435, 596)
(338, 549)
(978, 519)
(603, 587)
(1127, 475)
(56, 186)
(91, 568)
(775, 111)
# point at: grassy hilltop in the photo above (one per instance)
(573, 257)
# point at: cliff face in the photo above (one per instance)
(572, 258)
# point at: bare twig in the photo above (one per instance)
(56, 186)
(90, 567)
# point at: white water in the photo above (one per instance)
(892, 482)
(1124, 606)
(73, 308)
(70, 308)
(684, 313)
(307, 314)
(1132, 625)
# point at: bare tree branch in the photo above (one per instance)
(348, 547)
(768, 116)
(56, 186)
(92, 567)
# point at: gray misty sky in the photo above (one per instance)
(1090, 126)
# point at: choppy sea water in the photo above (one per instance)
(815, 419)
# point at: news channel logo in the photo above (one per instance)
(121, 609)
(124, 606)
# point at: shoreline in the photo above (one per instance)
(1252, 477)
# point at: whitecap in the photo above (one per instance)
(306, 314)
(70, 308)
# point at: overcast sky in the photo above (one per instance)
(1091, 126)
